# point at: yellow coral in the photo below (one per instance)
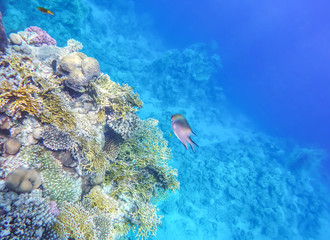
(21, 64)
(75, 221)
(22, 99)
(97, 161)
(102, 201)
(121, 99)
(57, 112)
(146, 215)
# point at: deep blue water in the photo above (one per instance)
(275, 57)
(254, 87)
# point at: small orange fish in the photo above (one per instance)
(45, 10)
(182, 130)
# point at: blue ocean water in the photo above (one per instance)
(251, 77)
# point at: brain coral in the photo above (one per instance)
(23, 180)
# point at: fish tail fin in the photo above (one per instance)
(192, 144)
(185, 145)
(193, 133)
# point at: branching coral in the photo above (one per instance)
(147, 220)
(96, 157)
(75, 221)
(125, 127)
(88, 219)
(102, 201)
(15, 100)
(149, 151)
(120, 99)
(141, 173)
(29, 92)
(19, 64)
(24, 216)
(56, 111)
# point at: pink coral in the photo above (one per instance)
(41, 37)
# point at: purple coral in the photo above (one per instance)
(53, 208)
(41, 37)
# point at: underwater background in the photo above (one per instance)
(251, 78)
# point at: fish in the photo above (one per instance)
(45, 10)
(54, 65)
(182, 130)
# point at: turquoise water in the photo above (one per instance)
(248, 179)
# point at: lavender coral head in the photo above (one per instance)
(41, 37)
(53, 209)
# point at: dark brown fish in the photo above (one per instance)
(45, 10)
(182, 130)
(54, 65)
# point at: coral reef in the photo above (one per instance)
(181, 72)
(67, 125)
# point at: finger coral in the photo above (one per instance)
(141, 173)
(57, 111)
(146, 220)
(25, 216)
(75, 221)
